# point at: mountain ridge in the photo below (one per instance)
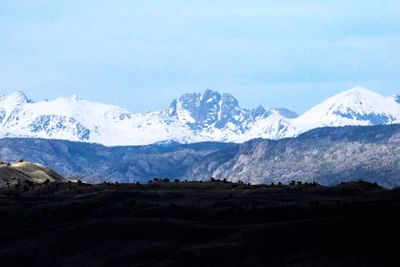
(193, 117)
(328, 155)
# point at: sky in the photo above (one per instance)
(142, 54)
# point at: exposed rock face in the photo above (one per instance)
(327, 155)
(214, 110)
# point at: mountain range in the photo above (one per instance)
(193, 117)
(328, 155)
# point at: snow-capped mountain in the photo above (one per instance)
(195, 117)
(212, 109)
(357, 106)
(71, 118)
(215, 116)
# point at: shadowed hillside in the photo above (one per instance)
(96, 163)
(199, 224)
(327, 156)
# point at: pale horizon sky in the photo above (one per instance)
(142, 54)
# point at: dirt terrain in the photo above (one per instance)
(199, 224)
(25, 174)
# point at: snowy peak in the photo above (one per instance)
(359, 100)
(15, 98)
(362, 104)
(10, 106)
(204, 110)
(18, 96)
(213, 112)
(357, 106)
(358, 91)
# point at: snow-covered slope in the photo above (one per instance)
(357, 106)
(75, 119)
(210, 116)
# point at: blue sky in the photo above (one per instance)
(142, 54)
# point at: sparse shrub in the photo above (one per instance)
(8, 164)
(166, 180)
(21, 160)
(176, 181)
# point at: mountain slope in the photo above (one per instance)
(18, 173)
(80, 120)
(97, 163)
(325, 155)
